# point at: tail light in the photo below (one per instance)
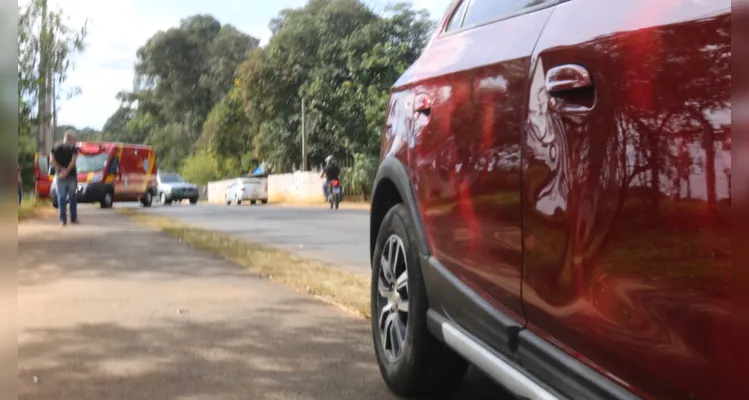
(335, 182)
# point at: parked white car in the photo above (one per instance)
(247, 188)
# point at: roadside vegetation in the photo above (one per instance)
(217, 104)
(31, 208)
(342, 288)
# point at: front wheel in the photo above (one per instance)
(412, 361)
(194, 201)
(107, 201)
(163, 199)
(147, 199)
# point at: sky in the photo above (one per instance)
(116, 29)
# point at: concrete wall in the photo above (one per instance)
(297, 187)
(216, 191)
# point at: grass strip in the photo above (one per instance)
(32, 208)
(342, 288)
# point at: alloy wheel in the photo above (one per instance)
(392, 302)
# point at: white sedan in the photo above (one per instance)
(252, 189)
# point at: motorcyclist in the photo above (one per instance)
(331, 172)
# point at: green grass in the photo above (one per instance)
(344, 289)
(31, 207)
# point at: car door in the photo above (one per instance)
(468, 175)
(131, 170)
(116, 176)
(42, 177)
(627, 195)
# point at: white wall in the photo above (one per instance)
(297, 187)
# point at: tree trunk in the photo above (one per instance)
(42, 97)
(708, 145)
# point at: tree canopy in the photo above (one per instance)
(206, 91)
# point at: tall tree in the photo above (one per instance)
(45, 48)
(339, 57)
(181, 74)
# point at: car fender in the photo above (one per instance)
(392, 170)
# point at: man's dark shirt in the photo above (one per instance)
(332, 172)
(63, 153)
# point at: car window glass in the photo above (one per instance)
(114, 166)
(457, 17)
(483, 11)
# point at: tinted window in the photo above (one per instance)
(114, 166)
(171, 179)
(457, 17)
(482, 11)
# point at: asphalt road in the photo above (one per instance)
(339, 238)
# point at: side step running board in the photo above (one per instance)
(497, 368)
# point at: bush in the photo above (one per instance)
(200, 168)
(361, 175)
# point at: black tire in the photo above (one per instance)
(239, 202)
(264, 201)
(107, 201)
(194, 201)
(164, 200)
(253, 202)
(425, 367)
(147, 199)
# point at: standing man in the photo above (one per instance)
(64, 156)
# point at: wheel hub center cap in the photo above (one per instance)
(395, 299)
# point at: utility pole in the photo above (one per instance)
(41, 120)
(304, 149)
(45, 110)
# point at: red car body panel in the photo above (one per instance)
(597, 216)
(42, 179)
(630, 273)
(465, 167)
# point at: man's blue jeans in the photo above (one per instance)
(325, 190)
(66, 190)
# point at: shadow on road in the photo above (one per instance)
(242, 339)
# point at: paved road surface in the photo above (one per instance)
(107, 310)
(340, 238)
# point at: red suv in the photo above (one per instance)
(553, 201)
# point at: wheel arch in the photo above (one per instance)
(392, 186)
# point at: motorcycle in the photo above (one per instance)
(335, 193)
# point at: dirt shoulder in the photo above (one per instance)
(108, 309)
(112, 310)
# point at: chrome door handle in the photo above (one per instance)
(567, 77)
